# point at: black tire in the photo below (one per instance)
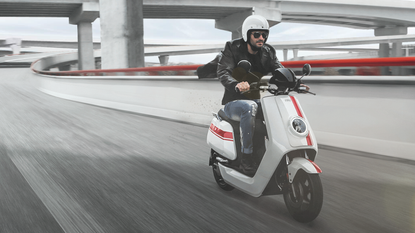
(219, 179)
(304, 197)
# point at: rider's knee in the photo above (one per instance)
(252, 108)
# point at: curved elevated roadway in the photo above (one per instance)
(71, 167)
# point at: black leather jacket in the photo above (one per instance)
(235, 51)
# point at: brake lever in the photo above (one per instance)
(307, 92)
(304, 90)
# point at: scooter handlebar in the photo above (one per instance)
(263, 86)
(273, 90)
(255, 86)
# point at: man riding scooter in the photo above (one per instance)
(279, 159)
(241, 106)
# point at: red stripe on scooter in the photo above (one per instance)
(297, 108)
(224, 135)
(316, 166)
(309, 142)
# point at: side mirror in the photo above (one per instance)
(306, 69)
(244, 64)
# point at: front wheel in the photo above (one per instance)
(304, 196)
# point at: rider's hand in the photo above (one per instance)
(243, 86)
(307, 87)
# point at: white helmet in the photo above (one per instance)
(254, 22)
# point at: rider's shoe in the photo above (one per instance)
(247, 166)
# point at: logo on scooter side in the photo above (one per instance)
(299, 125)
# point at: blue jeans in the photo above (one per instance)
(244, 111)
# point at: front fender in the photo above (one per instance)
(304, 164)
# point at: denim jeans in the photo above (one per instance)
(244, 111)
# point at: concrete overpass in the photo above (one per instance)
(123, 47)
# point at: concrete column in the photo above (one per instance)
(384, 51)
(397, 49)
(295, 53)
(397, 52)
(285, 51)
(86, 60)
(65, 67)
(83, 18)
(122, 31)
(15, 44)
(15, 49)
(407, 49)
(164, 60)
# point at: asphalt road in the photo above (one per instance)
(71, 167)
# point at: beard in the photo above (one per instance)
(254, 47)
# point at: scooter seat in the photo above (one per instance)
(260, 127)
(222, 115)
(235, 124)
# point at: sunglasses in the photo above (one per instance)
(258, 34)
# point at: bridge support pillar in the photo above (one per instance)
(83, 18)
(397, 52)
(122, 32)
(384, 51)
(15, 44)
(295, 53)
(384, 48)
(66, 67)
(285, 52)
(86, 60)
(164, 60)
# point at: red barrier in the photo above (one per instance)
(155, 70)
(383, 61)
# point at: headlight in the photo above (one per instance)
(299, 127)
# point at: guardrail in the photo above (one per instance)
(156, 70)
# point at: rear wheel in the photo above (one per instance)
(304, 196)
(218, 177)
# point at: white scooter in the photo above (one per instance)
(284, 146)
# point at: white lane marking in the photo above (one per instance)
(67, 211)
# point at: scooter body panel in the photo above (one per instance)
(221, 138)
(297, 128)
(279, 114)
(303, 164)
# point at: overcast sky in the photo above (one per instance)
(174, 31)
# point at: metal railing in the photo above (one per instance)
(187, 69)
